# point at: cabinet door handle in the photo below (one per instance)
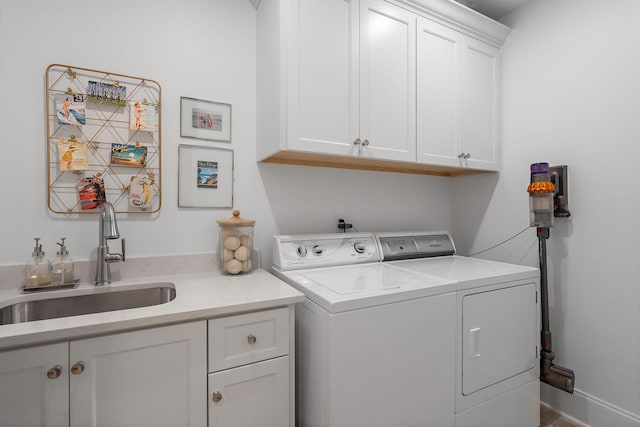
(78, 368)
(54, 372)
(216, 397)
(251, 339)
(366, 142)
(466, 156)
(357, 142)
(462, 156)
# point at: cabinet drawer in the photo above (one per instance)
(247, 338)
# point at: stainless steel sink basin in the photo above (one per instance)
(74, 305)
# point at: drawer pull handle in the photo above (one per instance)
(54, 372)
(216, 397)
(78, 368)
(252, 339)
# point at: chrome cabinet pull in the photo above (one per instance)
(78, 368)
(251, 339)
(357, 142)
(366, 142)
(216, 397)
(54, 372)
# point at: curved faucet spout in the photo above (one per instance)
(107, 223)
(107, 230)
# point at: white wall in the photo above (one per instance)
(198, 48)
(570, 95)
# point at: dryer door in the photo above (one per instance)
(499, 335)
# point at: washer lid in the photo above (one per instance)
(344, 288)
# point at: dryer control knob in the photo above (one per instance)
(317, 250)
(302, 251)
(359, 247)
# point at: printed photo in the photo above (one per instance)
(91, 193)
(106, 93)
(141, 192)
(128, 155)
(203, 119)
(207, 174)
(73, 155)
(71, 109)
(142, 116)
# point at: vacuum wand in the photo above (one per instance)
(550, 373)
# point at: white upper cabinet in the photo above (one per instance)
(351, 79)
(439, 97)
(480, 143)
(387, 81)
(377, 84)
(457, 83)
(322, 76)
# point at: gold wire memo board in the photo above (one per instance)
(103, 141)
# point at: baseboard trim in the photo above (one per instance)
(587, 409)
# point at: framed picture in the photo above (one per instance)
(205, 177)
(205, 119)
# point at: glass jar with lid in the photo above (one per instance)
(235, 245)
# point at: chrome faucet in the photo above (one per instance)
(108, 230)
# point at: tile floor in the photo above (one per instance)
(552, 418)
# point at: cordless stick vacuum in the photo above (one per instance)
(541, 206)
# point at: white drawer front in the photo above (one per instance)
(247, 338)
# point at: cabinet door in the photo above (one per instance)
(499, 338)
(387, 81)
(154, 377)
(255, 395)
(29, 397)
(322, 98)
(438, 90)
(480, 105)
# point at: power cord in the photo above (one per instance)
(501, 243)
(344, 226)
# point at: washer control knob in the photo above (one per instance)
(359, 247)
(302, 251)
(317, 250)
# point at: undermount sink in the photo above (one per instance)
(75, 305)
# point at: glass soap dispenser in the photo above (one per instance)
(235, 245)
(62, 266)
(38, 268)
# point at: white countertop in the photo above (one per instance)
(198, 296)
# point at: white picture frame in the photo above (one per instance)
(207, 120)
(205, 177)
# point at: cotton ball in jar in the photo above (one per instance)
(234, 266)
(242, 253)
(246, 265)
(245, 240)
(232, 243)
(227, 255)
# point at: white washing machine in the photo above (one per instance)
(436, 341)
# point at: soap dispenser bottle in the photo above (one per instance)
(38, 268)
(62, 266)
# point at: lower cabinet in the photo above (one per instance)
(154, 377)
(34, 386)
(250, 371)
(158, 377)
(252, 395)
